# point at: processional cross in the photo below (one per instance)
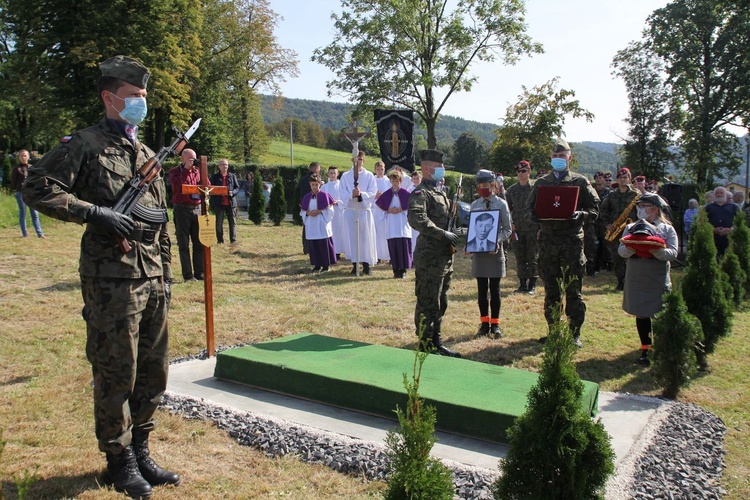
(207, 236)
(354, 137)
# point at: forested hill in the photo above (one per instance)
(591, 156)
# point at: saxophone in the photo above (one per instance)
(618, 226)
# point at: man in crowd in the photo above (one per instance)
(187, 209)
(225, 205)
(304, 187)
(524, 230)
(429, 210)
(561, 243)
(639, 183)
(610, 210)
(721, 216)
(125, 294)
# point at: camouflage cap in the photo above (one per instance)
(432, 155)
(126, 69)
(560, 145)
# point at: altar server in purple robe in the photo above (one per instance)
(392, 207)
(340, 235)
(359, 201)
(383, 184)
(317, 214)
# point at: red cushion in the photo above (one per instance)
(643, 244)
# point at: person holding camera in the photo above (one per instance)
(187, 209)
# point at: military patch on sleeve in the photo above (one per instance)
(65, 139)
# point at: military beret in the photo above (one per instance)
(653, 199)
(598, 174)
(485, 176)
(522, 165)
(623, 171)
(541, 172)
(126, 69)
(560, 145)
(640, 178)
(432, 155)
(608, 176)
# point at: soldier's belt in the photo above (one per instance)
(143, 235)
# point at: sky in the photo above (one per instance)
(580, 38)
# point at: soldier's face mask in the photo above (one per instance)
(134, 111)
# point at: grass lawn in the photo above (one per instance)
(262, 291)
(279, 154)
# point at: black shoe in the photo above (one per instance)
(444, 351)
(123, 474)
(496, 332)
(522, 288)
(577, 341)
(542, 340)
(149, 469)
(620, 285)
(316, 269)
(325, 269)
(531, 288)
(484, 330)
(338, 256)
(354, 269)
(200, 277)
(366, 268)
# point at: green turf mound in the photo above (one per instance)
(473, 399)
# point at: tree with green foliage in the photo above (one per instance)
(739, 240)
(530, 126)
(469, 153)
(413, 473)
(556, 450)
(703, 44)
(417, 54)
(676, 333)
(647, 147)
(257, 209)
(296, 200)
(705, 287)
(736, 277)
(7, 171)
(277, 203)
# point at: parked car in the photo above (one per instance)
(242, 199)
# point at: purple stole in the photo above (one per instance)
(384, 202)
(323, 199)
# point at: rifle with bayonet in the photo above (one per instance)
(127, 200)
(453, 217)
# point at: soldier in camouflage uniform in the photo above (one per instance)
(561, 244)
(612, 207)
(429, 210)
(525, 245)
(125, 295)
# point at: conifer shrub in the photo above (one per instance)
(277, 202)
(739, 240)
(676, 333)
(556, 450)
(296, 200)
(257, 208)
(413, 473)
(704, 288)
(736, 277)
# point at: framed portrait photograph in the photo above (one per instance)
(483, 229)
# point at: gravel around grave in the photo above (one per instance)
(680, 454)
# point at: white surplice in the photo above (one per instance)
(367, 238)
(318, 227)
(383, 184)
(340, 231)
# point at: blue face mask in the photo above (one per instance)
(134, 111)
(559, 164)
(439, 174)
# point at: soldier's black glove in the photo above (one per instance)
(451, 237)
(108, 219)
(168, 291)
(577, 215)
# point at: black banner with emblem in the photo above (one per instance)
(395, 137)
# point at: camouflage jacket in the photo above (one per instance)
(429, 210)
(88, 168)
(517, 197)
(615, 203)
(588, 203)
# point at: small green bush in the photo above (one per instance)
(704, 287)
(556, 450)
(740, 241)
(277, 202)
(296, 200)
(413, 473)
(676, 332)
(730, 264)
(257, 208)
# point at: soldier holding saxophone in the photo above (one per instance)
(618, 206)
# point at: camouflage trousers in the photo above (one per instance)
(432, 280)
(618, 263)
(126, 325)
(526, 250)
(562, 257)
(590, 246)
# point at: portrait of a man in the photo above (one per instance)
(482, 235)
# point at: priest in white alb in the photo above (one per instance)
(362, 238)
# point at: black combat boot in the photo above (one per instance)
(150, 471)
(366, 268)
(484, 329)
(531, 289)
(522, 288)
(123, 474)
(643, 359)
(495, 331)
(620, 284)
(441, 349)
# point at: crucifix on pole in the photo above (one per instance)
(354, 137)
(207, 236)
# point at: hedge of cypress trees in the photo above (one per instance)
(730, 264)
(705, 286)
(739, 240)
(277, 202)
(676, 332)
(257, 208)
(296, 200)
(556, 450)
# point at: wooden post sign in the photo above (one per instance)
(207, 237)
